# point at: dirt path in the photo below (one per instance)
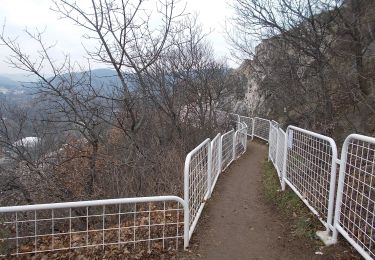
(237, 224)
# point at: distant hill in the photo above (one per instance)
(8, 86)
(18, 88)
(20, 77)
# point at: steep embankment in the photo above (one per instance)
(323, 80)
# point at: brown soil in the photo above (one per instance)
(237, 223)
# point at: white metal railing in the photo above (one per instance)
(154, 221)
(227, 144)
(355, 204)
(249, 122)
(261, 128)
(310, 171)
(216, 159)
(204, 164)
(240, 140)
(273, 134)
(305, 161)
(279, 163)
(197, 179)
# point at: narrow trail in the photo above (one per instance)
(237, 223)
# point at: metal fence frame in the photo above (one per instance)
(221, 153)
(313, 153)
(240, 143)
(273, 139)
(203, 166)
(355, 204)
(18, 219)
(197, 181)
(359, 205)
(261, 128)
(279, 162)
(216, 160)
(308, 188)
(227, 151)
(250, 124)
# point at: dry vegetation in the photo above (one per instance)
(314, 66)
(121, 135)
(115, 136)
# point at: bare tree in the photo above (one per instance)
(305, 45)
(123, 135)
(127, 42)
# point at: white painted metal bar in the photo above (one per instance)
(304, 160)
(240, 142)
(310, 170)
(279, 164)
(249, 122)
(227, 149)
(355, 200)
(216, 160)
(261, 128)
(40, 221)
(195, 182)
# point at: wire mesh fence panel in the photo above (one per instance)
(241, 140)
(273, 139)
(227, 149)
(216, 159)
(279, 164)
(148, 224)
(249, 122)
(261, 128)
(196, 181)
(310, 170)
(304, 160)
(355, 208)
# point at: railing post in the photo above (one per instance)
(234, 146)
(340, 188)
(269, 131)
(269, 140)
(186, 225)
(209, 170)
(331, 196)
(220, 154)
(276, 146)
(245, 138)
(283, 173)
(252, 128)
(186, 194)
(325, 235)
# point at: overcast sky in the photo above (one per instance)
(32, 14)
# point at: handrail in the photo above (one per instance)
(300, 157)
